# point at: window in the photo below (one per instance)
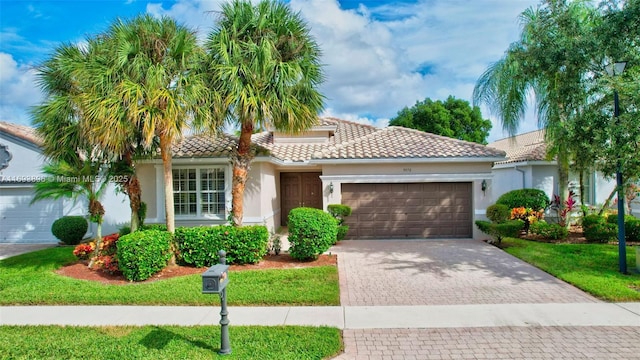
(199, 192)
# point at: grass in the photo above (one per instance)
(590, 267)
(167, 342)
(30, 279)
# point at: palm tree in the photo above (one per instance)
(266, 67)
(552, 59)
(158, 93)
(71, 181)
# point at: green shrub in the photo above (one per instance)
(510, 228)
(527, 198)
(549, 231)
(342, 232)
(339, 211)
(70, 229)
(199, 246)
(498, 213)
(632, 230)
(311, 232)
(248, 245)
(124, 230)
(597, 229)
(613, 218)
(143, 253)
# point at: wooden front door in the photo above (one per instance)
(299, 189)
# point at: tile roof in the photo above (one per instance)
(358, 141)
(23, 132)
(529, 146)
(204, 146)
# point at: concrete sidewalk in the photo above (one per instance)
(347, 317)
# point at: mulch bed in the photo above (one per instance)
(79, 270)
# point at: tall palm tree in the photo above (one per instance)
(552, 59)
(266, 67)
(159, 89)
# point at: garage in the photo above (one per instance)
(409, 210)
(23, 223)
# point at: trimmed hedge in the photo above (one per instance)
(311, 232)
(528, 198)
(549, 231)
(632, 230)
(70, 229)
(498, 213)
(199, 246)
(597, 229)
(510, 228)
(143, 253)
(339, 212)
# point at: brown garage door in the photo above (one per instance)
(413, 210)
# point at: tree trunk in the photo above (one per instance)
(165, 152)
(563, 181)
(608, 201)
(134, 192)
(96, 210)
(241, 164)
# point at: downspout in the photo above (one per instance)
(522, 172)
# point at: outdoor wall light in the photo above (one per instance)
(483, 186)
(331, 188)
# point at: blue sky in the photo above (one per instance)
(380, 55)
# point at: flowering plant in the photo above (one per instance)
(569, 205)
(107, 259)
(528, 215)
(83, 251)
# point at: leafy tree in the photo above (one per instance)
(552, 58)
(453, 118)
(265, 66)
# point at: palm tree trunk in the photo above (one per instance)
(241, 164)
(165, 151)
(134, 192)
(563, 181)
(96, 211)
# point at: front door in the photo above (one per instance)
(299, 189)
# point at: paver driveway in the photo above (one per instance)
(442, 272)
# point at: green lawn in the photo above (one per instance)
(167, 342)
(591, 267)
(29, 279)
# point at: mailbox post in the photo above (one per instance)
(214, 281)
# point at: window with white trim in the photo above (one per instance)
(199, 192)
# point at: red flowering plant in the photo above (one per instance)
(107, 259)
(564, 212)
(83, 251)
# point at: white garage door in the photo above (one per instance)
(24, 223)
(412, 210)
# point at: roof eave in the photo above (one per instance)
(472, 159)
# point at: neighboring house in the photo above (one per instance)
(400, 183)
(21, 161)
(527, 166)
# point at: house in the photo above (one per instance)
(400, 183)
(21, 161)
(527, 166)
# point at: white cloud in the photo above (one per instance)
(384, 56)
(18, 91)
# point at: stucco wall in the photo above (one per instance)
(26, 160)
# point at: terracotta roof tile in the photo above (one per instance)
(529, 146)
(204, 146)
(21, 131)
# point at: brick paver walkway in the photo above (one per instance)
(493, 343)
(448, 272)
